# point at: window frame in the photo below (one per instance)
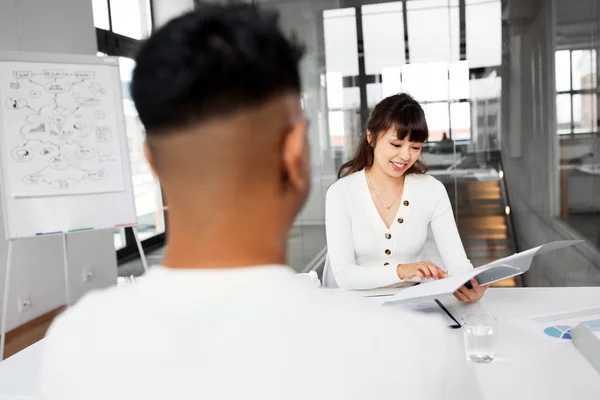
(116, 45)
(363, 79)
(574, 92)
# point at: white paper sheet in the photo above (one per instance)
(60, 129)
(434, 289)
(500, 269)
(556, 327)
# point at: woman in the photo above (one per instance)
(379, 213)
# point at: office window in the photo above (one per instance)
(374, 94)
(562, 60)
(576, 91)
(484, 32)
(147, 192)
(583, 65)
(414, 81)
(585, 113)
(351, 99)
(438, 120)
(433, 30)
(341, 49)
(459, 80)
(461, 120)
(336, 124)
(341, 61)
(335, 90)
(383, 33)
(120, 24)
(432, 73)
(131, 18)
(443, 90)
(391, 81)
(101, 18)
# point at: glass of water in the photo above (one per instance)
(479, 337)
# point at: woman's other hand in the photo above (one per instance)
(423, 270)
(467, 295)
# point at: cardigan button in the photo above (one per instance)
(400, 220)
(388, 252)
(406, 203)
(388, 235)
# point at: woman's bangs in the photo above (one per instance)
(411, 124)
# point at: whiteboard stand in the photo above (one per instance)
(89, 87)
(140, 248)
(6, 297)
(66, 268)
(3, 324)
(9, 263)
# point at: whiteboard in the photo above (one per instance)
(64, 159)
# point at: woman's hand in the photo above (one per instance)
(467, 295)
(423, 269)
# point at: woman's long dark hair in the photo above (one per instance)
(403, 113)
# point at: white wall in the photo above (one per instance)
(530, 147)
(58, 26)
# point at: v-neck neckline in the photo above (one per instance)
(375, 216)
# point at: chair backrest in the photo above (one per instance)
(328, 277)
(311, 278)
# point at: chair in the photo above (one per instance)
(328, 277)
(311, 278)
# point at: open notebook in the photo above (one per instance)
(503, 268)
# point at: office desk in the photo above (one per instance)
(20, 374)
(525, 368)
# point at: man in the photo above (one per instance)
(218, 91)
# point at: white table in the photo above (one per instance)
(20, 374)
(525, 368)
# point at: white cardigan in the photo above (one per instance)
(364, 253)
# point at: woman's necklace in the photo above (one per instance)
(377, 196)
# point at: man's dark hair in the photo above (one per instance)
(212, 62)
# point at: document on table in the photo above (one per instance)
(503, 268)
(556, 327)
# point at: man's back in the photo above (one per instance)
(219, 93)
(241, 333)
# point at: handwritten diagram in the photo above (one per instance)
(60, 129)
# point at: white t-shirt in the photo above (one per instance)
(248, 333)
(364, 252)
